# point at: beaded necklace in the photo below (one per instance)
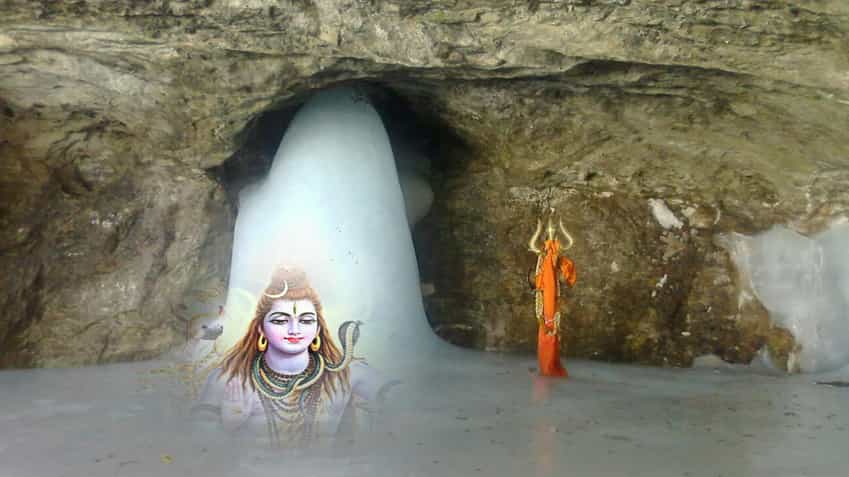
(293, 411)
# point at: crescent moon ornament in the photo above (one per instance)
(280, 295)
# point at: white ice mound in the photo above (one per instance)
(332, 204)
(804, 284)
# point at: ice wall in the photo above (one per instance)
(332, 204)
(804, 283)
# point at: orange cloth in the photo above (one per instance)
(548, 347)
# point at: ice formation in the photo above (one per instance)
(332, 204)
(804, 284)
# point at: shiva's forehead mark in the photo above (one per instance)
(299, 307)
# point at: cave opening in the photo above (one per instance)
(425, 148)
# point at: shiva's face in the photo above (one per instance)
(290, 325)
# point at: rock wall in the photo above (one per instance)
(647, 185)
(732, 113)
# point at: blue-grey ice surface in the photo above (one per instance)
(482, 414)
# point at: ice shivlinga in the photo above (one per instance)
(332, 205)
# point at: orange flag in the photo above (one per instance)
(548, 347)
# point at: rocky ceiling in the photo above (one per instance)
(118, 118)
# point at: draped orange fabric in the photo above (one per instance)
(548, 347)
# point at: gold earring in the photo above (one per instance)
(262, 343)
(316, 343)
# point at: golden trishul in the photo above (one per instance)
(541, 253)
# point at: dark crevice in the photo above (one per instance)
(160, 264)
(22, 357)
(406, 120)
(105, 347)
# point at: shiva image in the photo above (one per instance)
(547, 294)
(287, 376)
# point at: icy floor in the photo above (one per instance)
(488, 416)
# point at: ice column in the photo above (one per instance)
(332, 204)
